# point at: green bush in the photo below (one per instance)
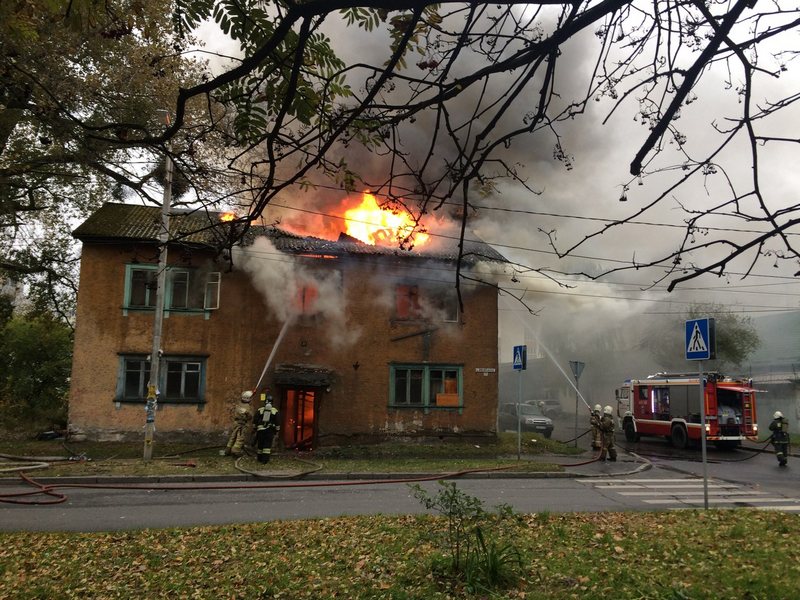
(482, 564)
(34, 372)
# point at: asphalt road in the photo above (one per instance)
(738, 478)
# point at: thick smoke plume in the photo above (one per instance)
(290, 289)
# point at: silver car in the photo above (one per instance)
(531, 419)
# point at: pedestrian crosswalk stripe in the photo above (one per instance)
(637, 480)
(689, 494)
(712, 500)
(693, 493)
(677, 486)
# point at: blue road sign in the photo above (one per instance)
(700, 339)
(520, 358)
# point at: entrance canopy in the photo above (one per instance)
(303, 375)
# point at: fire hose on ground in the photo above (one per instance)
(50, 489)
(30, 463)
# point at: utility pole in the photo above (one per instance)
(161, 285)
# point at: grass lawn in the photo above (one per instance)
(674, 555)
(181, 459)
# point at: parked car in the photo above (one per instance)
(550, 408)
(531, 419)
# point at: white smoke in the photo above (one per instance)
(292, 289)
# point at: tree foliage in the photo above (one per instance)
(462, 85)
(77, 80)
(446, 100)
(34, 372)
(736, 338)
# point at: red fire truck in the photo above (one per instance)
(668, 404)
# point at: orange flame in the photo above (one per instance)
(372, 224)
(227, 216)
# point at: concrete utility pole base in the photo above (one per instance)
(149, 430)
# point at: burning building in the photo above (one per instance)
(352, 339)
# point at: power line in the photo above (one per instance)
(510, 247)
(556, 215)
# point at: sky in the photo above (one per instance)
(574, 204)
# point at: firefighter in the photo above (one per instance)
(267, 425)
(607, 435)
(594, 421)
(780, 437)
(241, 421)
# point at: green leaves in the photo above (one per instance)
(34, 374)
(366, 18)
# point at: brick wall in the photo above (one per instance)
(238, 337)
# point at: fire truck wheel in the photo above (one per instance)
(630, 432)
(679, 437)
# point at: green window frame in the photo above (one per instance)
(181, 378)
(185, 291)
(426, 386)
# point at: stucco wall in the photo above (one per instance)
(238, 338)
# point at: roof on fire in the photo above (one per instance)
(116, 222)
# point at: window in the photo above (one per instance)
(187, 290)
(178, 285)
(142, 288)
(444, 301)
(407, 302)
(305, 301)
(136, 375)
(181, 379)
(211, 301)
(435, 303)
(426, 386)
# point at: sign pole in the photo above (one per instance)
(519, 363)
(519, 417)
(577, 369)
(701, 344)
(703, 435)
(577, 394)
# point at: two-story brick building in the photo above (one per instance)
(364, 340)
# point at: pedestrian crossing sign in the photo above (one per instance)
(700, 339)
(520, 358)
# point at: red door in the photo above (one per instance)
(299, 423)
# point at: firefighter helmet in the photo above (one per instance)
(597, 408)
(246, 396)
(608, 410)
(778, 415)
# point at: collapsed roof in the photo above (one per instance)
(202, 228)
